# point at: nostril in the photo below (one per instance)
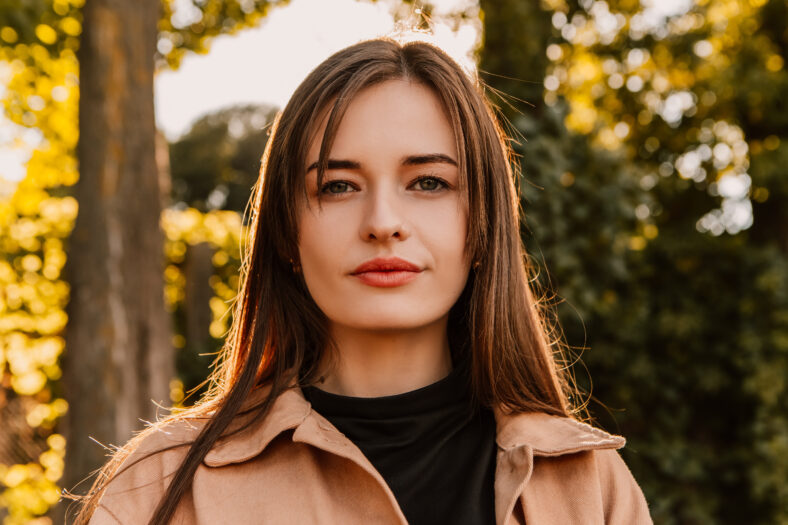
(382, 235)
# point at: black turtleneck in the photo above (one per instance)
(436, 453)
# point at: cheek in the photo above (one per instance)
(446, 230)
(319, 240)
(444, 236)
(312, 240)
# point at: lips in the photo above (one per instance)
(386, 272)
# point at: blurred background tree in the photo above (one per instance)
(655, 200)
(214, 166)
(40, 42)
(651, 137)
(119, 360)
(216, 163)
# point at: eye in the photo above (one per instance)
(335, 187)
(430, 183)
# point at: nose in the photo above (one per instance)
(383, 217)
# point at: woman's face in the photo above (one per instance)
(391, 190)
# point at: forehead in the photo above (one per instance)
(393, 118)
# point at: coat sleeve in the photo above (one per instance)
(623, 500)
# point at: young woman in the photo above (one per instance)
(388, 362)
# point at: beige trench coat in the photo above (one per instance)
(296, 468)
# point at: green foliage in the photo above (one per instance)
(213, 166)
(216, 163)
(224, 232)
(680, 311)
(54, 24)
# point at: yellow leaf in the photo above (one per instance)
(46, 34)
(9, 35)
(29, 383)
(71, 26)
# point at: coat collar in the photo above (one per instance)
(544, 434)
(550, 435)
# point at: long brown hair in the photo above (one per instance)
(279, 333)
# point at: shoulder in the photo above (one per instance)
(616, 479)
(589, 486)
(619, 494)
(576, 467)
(143, 476)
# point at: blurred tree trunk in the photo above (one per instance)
(118, 357)
(163, 169)
(198, 271)
(513, 58)
(194, 359)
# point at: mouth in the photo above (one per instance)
(387, 273)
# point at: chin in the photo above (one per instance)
(389, 320)
(384, 325)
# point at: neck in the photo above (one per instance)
(374, 363)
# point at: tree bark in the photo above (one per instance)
(118, 358)
(198, 270)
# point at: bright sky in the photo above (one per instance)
(265, 64)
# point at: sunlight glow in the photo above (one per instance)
(263, 65)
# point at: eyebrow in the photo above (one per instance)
(334, 164)
(410, 160)
(431, 158)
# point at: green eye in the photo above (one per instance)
(428, 183)
(336, 186)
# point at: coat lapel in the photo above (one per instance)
(289, 411)
(523, 436)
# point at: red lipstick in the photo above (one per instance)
(386, 272)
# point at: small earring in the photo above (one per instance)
(476, 264)
(295, 265)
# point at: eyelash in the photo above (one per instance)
(442, 184)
